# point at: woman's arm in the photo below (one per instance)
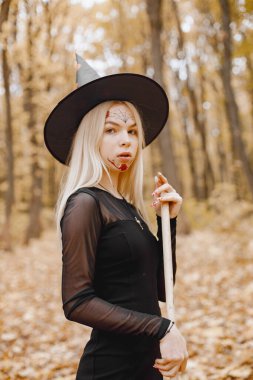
(81, 227)
(160, 273)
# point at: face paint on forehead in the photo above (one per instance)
(119, 114)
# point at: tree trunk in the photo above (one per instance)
(35, 206)
(164, 139)
(183, 112)
(225, 174)
(208, 178)
(207, 171)
(50, 185)
(10, 194)
(250, 88)
(120, 5)
(241, 160)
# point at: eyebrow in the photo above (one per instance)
(112, 122)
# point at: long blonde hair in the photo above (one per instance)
(85, 164)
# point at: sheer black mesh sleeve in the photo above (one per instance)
(160, 275)
(81, 226)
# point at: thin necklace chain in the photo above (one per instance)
(126, 203)
(110, 192)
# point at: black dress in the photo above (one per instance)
(112, 279)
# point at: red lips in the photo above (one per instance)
(124, 154)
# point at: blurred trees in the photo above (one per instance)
(201, 52)
(234, 120)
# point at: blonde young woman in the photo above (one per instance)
(112, 272)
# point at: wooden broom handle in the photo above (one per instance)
(167, 259)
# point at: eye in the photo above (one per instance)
(134, 131)
(110, 129)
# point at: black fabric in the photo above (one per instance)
(112, 279)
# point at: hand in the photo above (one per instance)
(174, 354)
(174, 199)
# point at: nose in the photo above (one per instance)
(125, 139)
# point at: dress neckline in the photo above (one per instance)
(108, 192)
(126, 203)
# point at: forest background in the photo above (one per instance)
(201, 52)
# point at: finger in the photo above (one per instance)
(171, 197)
(164, 361)
(168, 366)
(164, 187)
(158, 182)
(162, 177)
(183, 365)
(171, 372)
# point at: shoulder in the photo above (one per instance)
(83, 197)
(82, 203)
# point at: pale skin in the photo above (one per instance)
(120, 135)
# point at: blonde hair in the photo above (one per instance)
(85, 164)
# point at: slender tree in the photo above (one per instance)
(51, 184)
(10, 194)
(35, 201)
(154, 8)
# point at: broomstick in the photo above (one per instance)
(167, 259)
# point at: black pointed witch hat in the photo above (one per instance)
(143, 92)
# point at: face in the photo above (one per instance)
(120, 137)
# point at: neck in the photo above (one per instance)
(113, 187)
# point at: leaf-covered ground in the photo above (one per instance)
(213, 298)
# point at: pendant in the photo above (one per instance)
(137, 220)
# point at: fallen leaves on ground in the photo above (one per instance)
(213, 299)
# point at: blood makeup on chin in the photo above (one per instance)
(120, 166)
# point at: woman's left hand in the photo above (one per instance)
(171, 196)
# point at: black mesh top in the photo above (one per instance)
(112, 267)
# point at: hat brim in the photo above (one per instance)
(147, 95)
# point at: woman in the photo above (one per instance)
(112, 274)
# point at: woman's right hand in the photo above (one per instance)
(173, 352)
